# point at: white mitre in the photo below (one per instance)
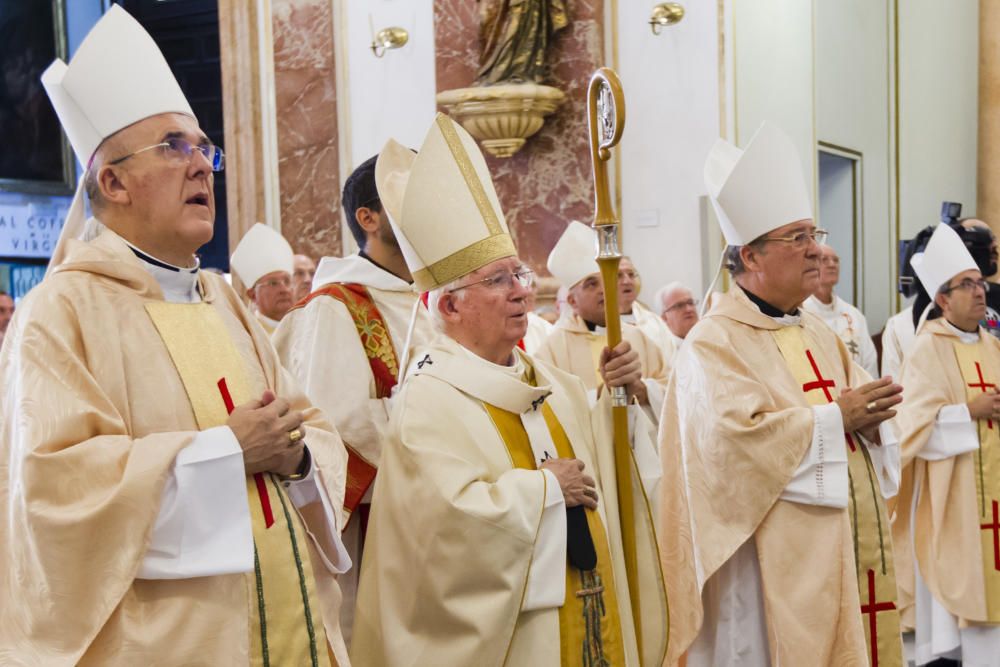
(442, 205)
(261, 251)
(944, 257)
(116, 78)
(757, 189)
(574, 256)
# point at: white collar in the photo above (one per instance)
(514, 370)
(827, 307)
(967, 337)
(179, 285)
(267, 320)
(357, 269)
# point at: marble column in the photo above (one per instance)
(988, 181)
(306, 110)
(548, 182)
(247, 92)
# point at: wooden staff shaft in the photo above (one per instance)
(605, 132)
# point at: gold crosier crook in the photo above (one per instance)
(606, 114)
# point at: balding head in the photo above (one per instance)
(678, 308)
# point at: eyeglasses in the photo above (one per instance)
(968, 285)
(504, 280)
(686, 303)
(275, 282)
(180, 151)
(801, 240)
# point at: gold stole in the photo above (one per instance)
(987, 473)
(577, 622)
(869, 519)
(285, 621)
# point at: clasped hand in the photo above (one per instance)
(577, 488)
(262, 428)
(880, 395)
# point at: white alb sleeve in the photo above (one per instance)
(955, 432)
(547, 573)
(203, 527)
(307, 491)
(821, 478)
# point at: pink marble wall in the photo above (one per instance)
(306, 99)
(548, 182)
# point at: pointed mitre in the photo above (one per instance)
(261, 251)
(116, 78)
(758, 189)
(442, 205)
(944, 258)
(574, 256)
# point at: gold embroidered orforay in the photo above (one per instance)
(464, 262)
(979, 377)
(468, 171)
(284, 619)
(873, 554)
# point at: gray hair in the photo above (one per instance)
(661, 294)
(434, 297)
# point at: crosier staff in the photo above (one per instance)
(606, 116)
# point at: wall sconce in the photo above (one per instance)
(389, 38)
(665, 14)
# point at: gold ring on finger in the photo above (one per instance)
(871, 407)
(295, 435)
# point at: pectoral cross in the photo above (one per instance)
(983, 385)
(872, 609)
(258, 478)
(824, 384)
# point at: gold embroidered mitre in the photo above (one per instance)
(442, 205)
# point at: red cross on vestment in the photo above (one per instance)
(258, 478)
(872, 609)
(983, 385)
(995, 527)
(822, 383)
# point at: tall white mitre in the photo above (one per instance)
(944, 258)
(573, 257)
(442, 205)
(757, 189)
(261, 251)
(116, 78)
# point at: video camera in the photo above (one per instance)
(978, 240)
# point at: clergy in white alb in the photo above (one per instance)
(494, 536)
(774, 533)
(846, 321)
(634, 313)
(345, 343)
(947, 508)
(679, 311)
(263, 261)
(576, 342)
(170, 496)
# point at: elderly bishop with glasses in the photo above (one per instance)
(169, 496)
(494, 535)
(947, 513)
(774, 531)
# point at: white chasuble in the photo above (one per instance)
(471, 524)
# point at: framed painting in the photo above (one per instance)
(35, 156)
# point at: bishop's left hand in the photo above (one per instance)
(620, 367)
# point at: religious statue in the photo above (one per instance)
(514, 36)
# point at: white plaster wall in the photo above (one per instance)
(773, 48)
(938, 102)
(671, 86)
(392, 96)
(852, 112)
